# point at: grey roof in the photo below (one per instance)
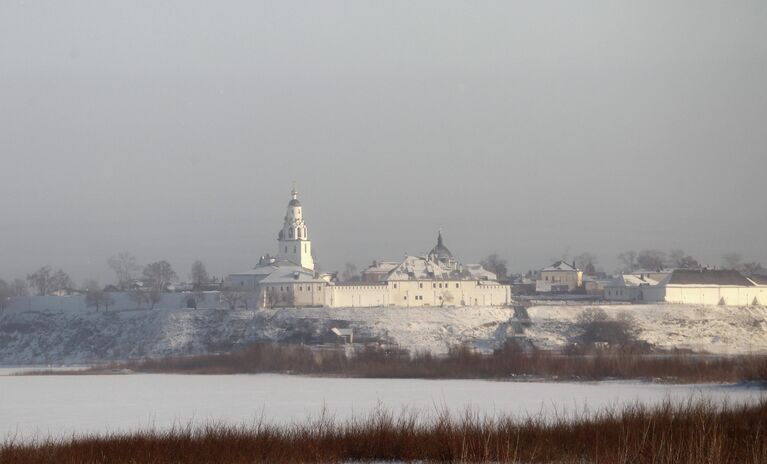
(423, 268)
(264, 269)
(631, 280)
(281, 272)
(294, 202)
(707, 277)
(560, 266)
(287, 272)
(382, 267)
(758, 279)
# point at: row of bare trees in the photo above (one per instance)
(45, 281)
(144, 287)
(156, 276)
(657, 259)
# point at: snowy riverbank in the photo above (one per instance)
(41, 338)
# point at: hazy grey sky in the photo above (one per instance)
(174, 130)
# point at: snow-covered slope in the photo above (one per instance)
(715, 329)
(33, 338)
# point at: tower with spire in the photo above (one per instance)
(293, 239)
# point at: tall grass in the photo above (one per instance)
(694, 432)
(462, 362)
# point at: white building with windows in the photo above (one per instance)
(690, 286)
(629, 287)
(437, 279)
(709, 287)
(560, 277)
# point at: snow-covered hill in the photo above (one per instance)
(33, 338)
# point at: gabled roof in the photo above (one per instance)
(707, 277)
(260, 270)
(422, 268)
(290, 273)
(631, 280)
(419, 268)
(280, 272)
(560, 266)
(382, 266)
(477, 271)
(758, 279)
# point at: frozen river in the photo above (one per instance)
(41, 406)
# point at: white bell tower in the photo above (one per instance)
(294, 244)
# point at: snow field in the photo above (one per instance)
(37, 407)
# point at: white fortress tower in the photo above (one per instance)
(294, 244)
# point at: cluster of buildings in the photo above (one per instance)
(437, 278)
(290, 279)
(686, 286)
(434, 279)
(690, 286)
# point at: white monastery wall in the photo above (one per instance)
(358, 296)
(297, 294)
(707, 295)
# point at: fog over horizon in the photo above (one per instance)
(175, 130)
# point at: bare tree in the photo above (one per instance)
(199, 274)
(6, 294)
(628, 261)
(496, 265)
(95, 296)
(138, 297)
(40, 280)
(752, 268)
(19, 287)
(124, 266)
(598, 327)
(288, 298)
(447, 298)
(350, 273)
(587, 262)
(248, 298)
(679, 259)
(651, 259)
(232, 296)
(194, 299)
(159, 275)
(732, 260)
(60, 281)
(153, 296)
